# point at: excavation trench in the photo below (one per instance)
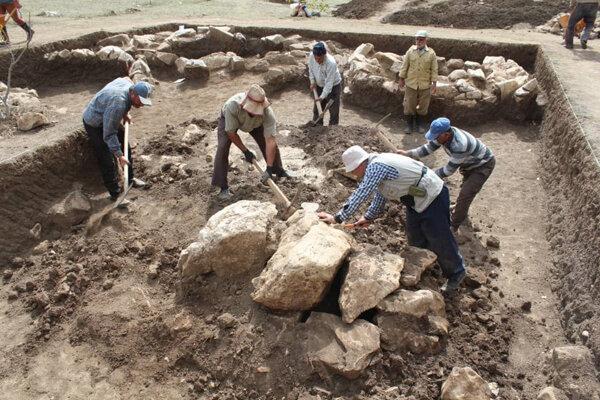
(163, 220)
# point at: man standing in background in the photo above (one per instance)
(326, 79)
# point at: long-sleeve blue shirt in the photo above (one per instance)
(374, 174)
(107, 109)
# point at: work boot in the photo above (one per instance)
(421, 124)
(453, 283)
(410, 124)
(29, 31)
(224, 194)
(583, 44)
(138, 183)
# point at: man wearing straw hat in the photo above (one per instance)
(389, 176)
(418, 76)
(250, 112)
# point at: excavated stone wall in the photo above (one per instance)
(571, 172)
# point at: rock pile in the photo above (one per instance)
(462, 84)
(26, 106)
(554, 26)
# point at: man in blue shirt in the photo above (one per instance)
(390, 176)
(102, 120)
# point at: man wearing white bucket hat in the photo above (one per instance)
(418, 76)
(390, 176)
(250, 112)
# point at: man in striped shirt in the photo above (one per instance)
(467, 154)
(390, 176)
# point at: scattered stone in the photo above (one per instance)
(235, 240)
(300, 272)
(472, 65)
(51, 14)
(263, 370)
(274, 40)
(144, 42)
(416, 261)
(477, 75)
(107, 284)
(333, 346)
(413, 321)
(111, 53)
(166, 58)
(454, 64)
(121, 40)
(363, 50)
(181, 323)
(526, 306)
(152, 271)
(216, 61)
(82, 54)
(278, 58)
(192, 135)
(464, 383)
(492, 242)
(31, 120)
(386, 60)
(226, 321)
(13, 295)
(259, 66)
(372, 275)
(220, 35)
(73, 210)
(237, 64)
(574, 372)
(41, 300)
(552, 393)
(7, 274)
(36, 231)
(445, 91)
(192, 69)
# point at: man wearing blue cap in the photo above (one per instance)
(389, 176)
(326, 78)
(102, 120)
(467, 153)
(418, 75)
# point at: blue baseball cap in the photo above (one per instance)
(437, 127)
(319, 49)
(143, 90)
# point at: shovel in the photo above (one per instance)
(95, 221)
(322, 113)
(288, 210)
(387, 143)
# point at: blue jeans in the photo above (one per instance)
(587, 11)
(430, 230)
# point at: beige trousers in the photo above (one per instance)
(414, 98)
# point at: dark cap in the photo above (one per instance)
(319, 49)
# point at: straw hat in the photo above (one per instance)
(256, 100)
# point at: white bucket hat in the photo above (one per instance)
(256, 100)
(353, 157)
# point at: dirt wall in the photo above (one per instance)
(571, 174)
(30, 184)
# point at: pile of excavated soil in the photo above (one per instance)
(359, 9)
(217, 342)
(477, 15)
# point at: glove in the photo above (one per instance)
(249, 156)
(268, 174)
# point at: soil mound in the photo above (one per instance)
(477, 15)
(359, 9)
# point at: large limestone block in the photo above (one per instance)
(192, 69)
(237, 63)
(144, 41)
(333, 346)
(31, 120)
(472, 65)
(465, 384)
(455, 63)
(278, 58)
(72, 210)
(220, 35)
(111, 53)
(413, 321)
(372, 275)
(416, 261)
(574, 372)
(82, 53)
(167, 58)
(458, 74)
(121, 40)
(446, 91)
(216, 61)
(274, 40)
(363, 50)
(477, 75)
(386, 60)
(298, 225)
(23, 102)
(298, 275)
(235, 240)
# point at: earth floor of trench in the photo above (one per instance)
(511, 207)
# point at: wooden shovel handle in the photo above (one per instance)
(278, 193)
(316, 96)
(390, 146)
(126, 154)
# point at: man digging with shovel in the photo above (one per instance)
(325, 84)
(390, 176)
(102, 120)
(250, 112)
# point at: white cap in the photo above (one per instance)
(421, 33)
(353, 157)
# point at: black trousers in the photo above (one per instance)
(221, 166)
(106, 160)
(334, 110)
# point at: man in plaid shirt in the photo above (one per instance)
(390, 176)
